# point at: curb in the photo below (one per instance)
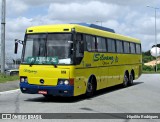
(9, 92)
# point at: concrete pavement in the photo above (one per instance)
(142, 97)
(9, 85)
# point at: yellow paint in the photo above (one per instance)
(107, 72)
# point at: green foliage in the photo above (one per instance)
(148, 68)
(147, 53)
(4, 78)
(146, 57)
(158, 67)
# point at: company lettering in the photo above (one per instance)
(102, 57)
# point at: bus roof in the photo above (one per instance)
(96, 27)
(82, 28)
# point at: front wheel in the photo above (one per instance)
(90, 88)
(47, 96)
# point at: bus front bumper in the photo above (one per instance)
(59, 90)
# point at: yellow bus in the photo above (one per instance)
(75, 59)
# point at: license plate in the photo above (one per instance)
(42, 92)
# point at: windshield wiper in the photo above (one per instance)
(54, 64)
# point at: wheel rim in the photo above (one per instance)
(89, 87)
(131, 80)
(125, 82)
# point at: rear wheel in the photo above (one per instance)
(125, 80)
(91, 87)
(130, 80)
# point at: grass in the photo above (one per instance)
(4, 78)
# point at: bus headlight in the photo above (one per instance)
(65, 82)
(24, 79)
(60, 82)
(21, 79)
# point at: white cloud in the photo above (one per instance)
(15, 7)
(89, 12)
(15, 29)
(118, 2)
(128, 17)
(18, 24)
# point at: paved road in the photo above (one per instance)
(10, 85)
(142, 97)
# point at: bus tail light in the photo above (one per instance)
(71, 81)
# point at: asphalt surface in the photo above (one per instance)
(10, 85)
(142, 97)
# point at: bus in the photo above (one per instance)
(74, 59)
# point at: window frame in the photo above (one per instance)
(115, 51)
(128, 47)
(122, 47)
(134, 48)
(87, 45)
(106, 49)
(139, 48)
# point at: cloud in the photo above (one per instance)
(127, 17)
(131, 3)
(18, 24)
(15, 7)
(15, 29)
(118, 2)
(89, 12)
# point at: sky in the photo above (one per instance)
(127, 17)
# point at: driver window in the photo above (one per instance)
(79, 45)
(79, 48)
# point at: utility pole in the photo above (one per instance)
(3, 36)
(155, 9)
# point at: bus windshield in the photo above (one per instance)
(48, 49)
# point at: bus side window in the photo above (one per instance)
(133, 48)
(79, 48)
(138, 48)
(90, 43)
(80, 43)
(101, 44)
(126, 47)
(111, 45)
(119, 46)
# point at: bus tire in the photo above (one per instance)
(130, 83)
(91, 87)
(125, 80)
(47, 96)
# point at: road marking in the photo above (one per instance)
(9, 92)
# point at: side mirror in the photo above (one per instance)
(16, 46)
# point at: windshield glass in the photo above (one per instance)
(48, 49)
